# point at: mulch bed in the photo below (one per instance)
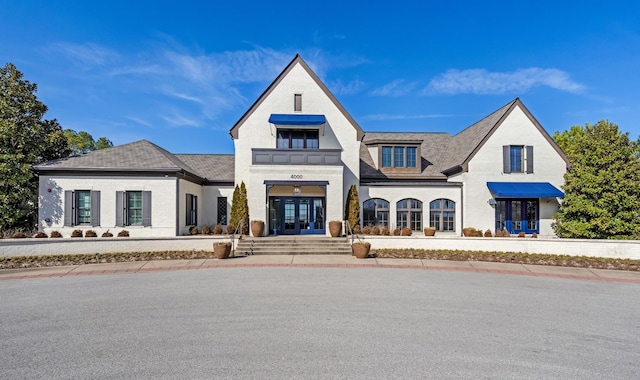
(452, 255)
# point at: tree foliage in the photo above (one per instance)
(82, 142)
(602, 188)
(26, 139)
(352, 208)
(240, 208)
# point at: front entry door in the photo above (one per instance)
(293, 216)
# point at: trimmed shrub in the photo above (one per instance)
(375, 230)
(476, 233)
(366, 230)
(521, 234)
(488, 233)
(76, 233)
(19, 235)
(230, 229)
(55, 234)
(123, 233)
(107, 234)
(534, 235)
(357, 229)
(193, 230)
(90, 233)
(206, 230)
(406, 231)
(396, 232)
(385, 231)
(41, 235)
(217, 230)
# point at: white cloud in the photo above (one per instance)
(339, 88)
(398, 87)
(178, 120)
(87, 54)
(481, 81)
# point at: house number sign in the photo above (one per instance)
(296, 176)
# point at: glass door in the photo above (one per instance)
(517, 215)
(294, 215)
(290, 217)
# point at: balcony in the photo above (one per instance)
(330, 157)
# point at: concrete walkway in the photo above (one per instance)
(324, 261)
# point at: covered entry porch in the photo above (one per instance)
(296, 208)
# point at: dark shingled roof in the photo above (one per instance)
(141, 156)
(441, 152)
(213, 167)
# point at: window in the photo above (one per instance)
(399, 157)
(297, 139)
(386, 156)
(375, 212)
(297, 102)
(411, 156)
(517, 159)
(517, 215)
(222, 211)
(82, 207)
(192, 210)
(442, 214)
(133, 208)
(409, 214)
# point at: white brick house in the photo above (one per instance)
(298, 151)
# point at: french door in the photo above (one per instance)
(518, 215)
(296, 215)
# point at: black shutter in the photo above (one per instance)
(529, 159)
(506, 165)
(95, 208)
(195, 210)
(120, 208)
(68, 208)
(146, 208)
(187, 218)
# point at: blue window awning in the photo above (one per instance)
(524, 190)
(296, 119)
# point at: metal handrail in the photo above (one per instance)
(349, 232)
(233, 238)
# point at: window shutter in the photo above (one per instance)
(187, 218)
(529, 159)
(120, 208)
(506, 165)
(146, 208)
(68, 208)
(95, 208)
(195, 210)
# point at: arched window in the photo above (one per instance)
(409, 214)
(375, 212)
(442, 214)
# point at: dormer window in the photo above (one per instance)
(399, 157)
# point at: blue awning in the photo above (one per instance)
(296, 119)
(524, 190)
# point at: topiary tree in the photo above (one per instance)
(234, 218)
(352, 208)
(240, 209)
(244, 208)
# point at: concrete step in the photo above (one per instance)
(293, 245)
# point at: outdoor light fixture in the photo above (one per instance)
(296, 190)
(492, 202)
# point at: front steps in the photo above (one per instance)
(293, 245)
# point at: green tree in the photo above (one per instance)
(244, 208)
(26, 139)
(602, 187)
(352, 207)
(240, 209)
(234, 219)
(82, 142)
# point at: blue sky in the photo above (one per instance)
(180, 74)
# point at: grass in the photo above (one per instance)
(16, 262)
